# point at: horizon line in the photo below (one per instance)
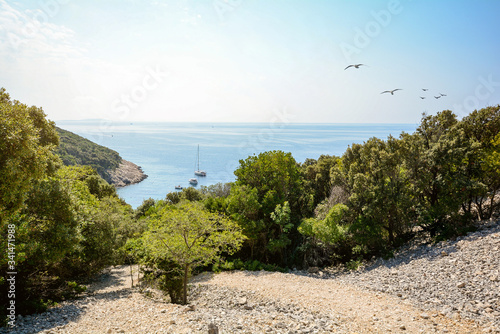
(218, 122)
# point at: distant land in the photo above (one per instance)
(76, 150)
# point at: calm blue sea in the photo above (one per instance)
(167, 152)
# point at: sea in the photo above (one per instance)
(168, 152)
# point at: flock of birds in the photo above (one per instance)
(395, 90)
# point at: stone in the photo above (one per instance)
(213, 329)
(461, 285)
(313, 270)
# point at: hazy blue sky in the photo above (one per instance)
(250, 60)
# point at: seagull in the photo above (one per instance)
(390, 91)
(422, 97)
(442, 94)
(437, 97)
(425, 89)
(354, 65)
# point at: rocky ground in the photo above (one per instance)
(452, 287)
(459, 278)
(127, 173)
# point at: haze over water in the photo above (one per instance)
(167, 152)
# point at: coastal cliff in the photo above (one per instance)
(76, 150)
(126, 174)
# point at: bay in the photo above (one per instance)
(167, 152)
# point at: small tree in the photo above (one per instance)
(190, 236)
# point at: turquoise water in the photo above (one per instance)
(167, 152)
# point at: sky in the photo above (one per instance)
(251, 60)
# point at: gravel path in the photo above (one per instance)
(451, 287)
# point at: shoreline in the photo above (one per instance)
(127, 174)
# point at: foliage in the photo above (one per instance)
(76, 150)
(189, 236)
(329, 230)
(317, 178)
(373, 176)
(169, 279)
(482, 127)
(436, 178)
(27, 140)
(191, 194)
(263, 183)
(142, 209)
(68, 221)
(250, 265)
(216, 190)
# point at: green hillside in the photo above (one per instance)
(76, 150)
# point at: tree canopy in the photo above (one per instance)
(27, 141)
(189, 236)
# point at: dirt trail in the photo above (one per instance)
(272, 303)
(365, 311)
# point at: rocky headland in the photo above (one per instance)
(126, 174)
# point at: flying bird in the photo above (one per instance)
(422, 97)
(442, 94)
(425, 89)
(354, 65)
(390, 91)
(437, 97)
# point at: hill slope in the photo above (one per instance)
(76, 150)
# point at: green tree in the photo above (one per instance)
(244, 206)
(142, 210)
(27, 140)
(189, 236)
(373, 176)
(191, 194)
(76, 150)
(275, 175)
(482, 127)
(329, 230)
(104, 223)
(437, 159)
(275, 178)
(317, 179)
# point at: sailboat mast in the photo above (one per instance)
(198, 171)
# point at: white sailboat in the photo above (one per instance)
(198, 171)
